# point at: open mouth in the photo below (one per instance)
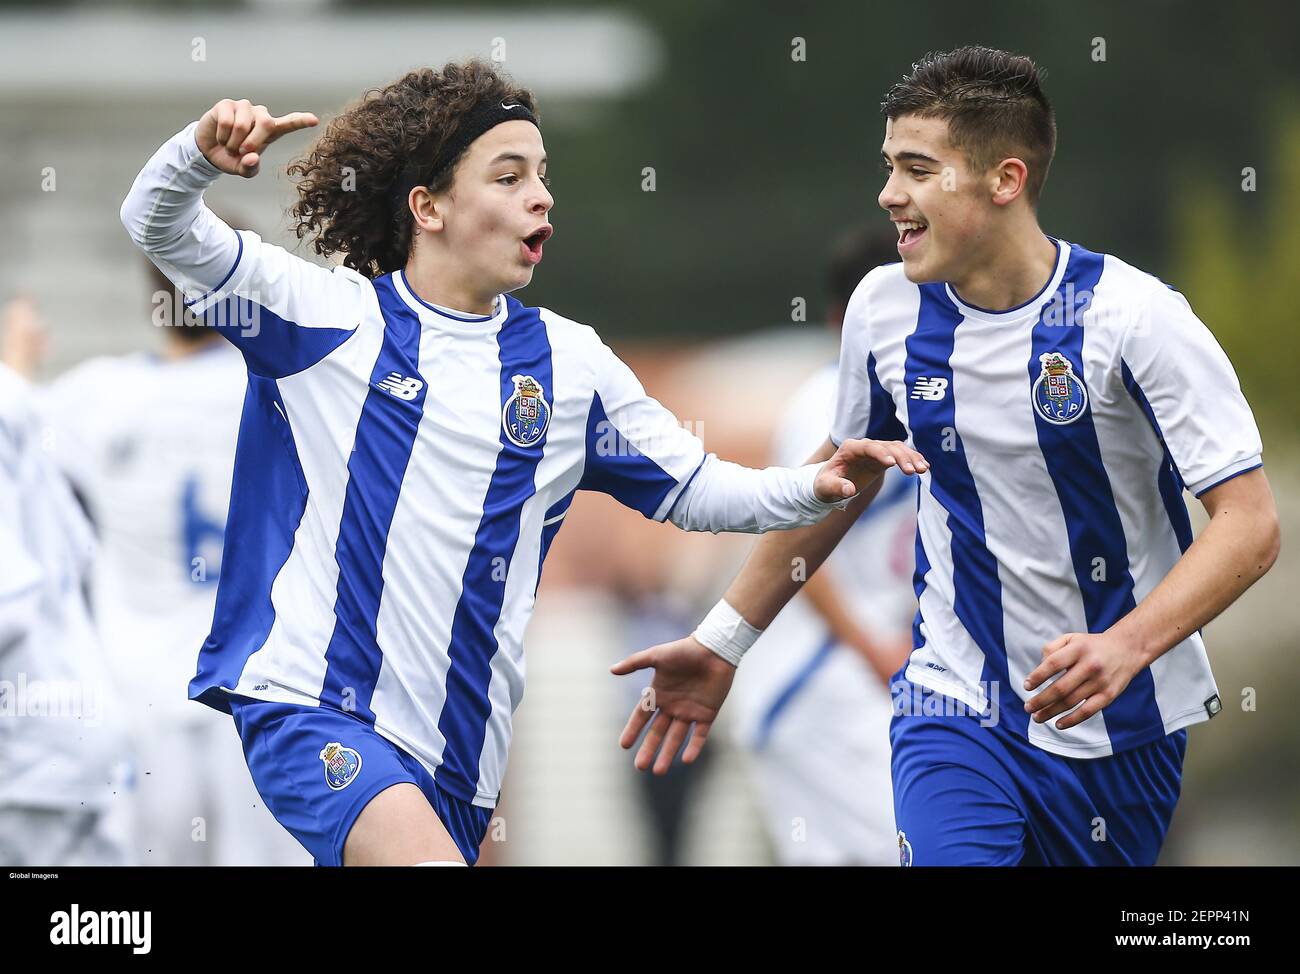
(532, 244)
(910, 233)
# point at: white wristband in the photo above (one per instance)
(726, 632)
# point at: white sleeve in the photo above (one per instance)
(725, 496)
(639, 454)
(284, 313)
(1183, 381)
(862, 407)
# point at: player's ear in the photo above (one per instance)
(428, 209)
(1007, 180)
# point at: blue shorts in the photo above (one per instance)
(317, 768)
(966, 794)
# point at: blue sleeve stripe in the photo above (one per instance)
(685, 487)
(230, 273)
(1231, 476)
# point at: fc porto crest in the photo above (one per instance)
(904, 849)
(1059, 395)
(526, 414)
(341, 765)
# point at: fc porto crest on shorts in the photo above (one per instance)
(1059, 396)
(526, 414)
(904, 849)
(342, 764)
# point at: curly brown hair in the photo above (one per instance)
(345, 180)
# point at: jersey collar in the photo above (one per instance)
(450, 319)
(1028, 308)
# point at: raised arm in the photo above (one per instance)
(284, 313)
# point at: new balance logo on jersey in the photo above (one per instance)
(400, 386)
(929, 388)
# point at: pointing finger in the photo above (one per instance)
(292, 122)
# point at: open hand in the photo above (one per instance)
(857, 463)
(689, 685)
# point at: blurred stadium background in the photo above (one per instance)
(758, 159)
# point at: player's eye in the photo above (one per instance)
(546, 180)
(509, 179)
(917, 171)
(886, 167)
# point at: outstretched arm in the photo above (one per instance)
(725, 496)
(639, 453)
(690, 681)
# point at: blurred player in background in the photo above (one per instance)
(64, 757)
(812, 700)
(147, 441)
(411, 440)
(1065, 400)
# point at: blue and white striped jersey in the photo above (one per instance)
(401, 471)
(1060, 435)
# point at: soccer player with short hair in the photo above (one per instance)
(1064, 400)
(411, 440)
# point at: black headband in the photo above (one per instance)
(476, 121)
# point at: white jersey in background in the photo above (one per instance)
(149, 443)
(1060, 436)
(401, 472)
(810, 712)
(65, 757)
